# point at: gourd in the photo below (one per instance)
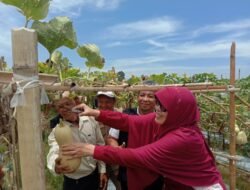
(63, 135)
(241, 138)
(237, 128)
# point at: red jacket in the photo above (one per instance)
(175, 150)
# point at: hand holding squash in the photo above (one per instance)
(78, 150)
(63, 135)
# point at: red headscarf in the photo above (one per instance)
(181, 107)
(183, 114)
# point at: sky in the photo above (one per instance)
(143, 37)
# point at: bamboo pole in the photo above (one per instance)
(232, 145)
(24, 43)
(6, 78)
(194, 88)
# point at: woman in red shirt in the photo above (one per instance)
(172, 145)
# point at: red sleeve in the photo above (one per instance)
(151, 156)
(174, 156)
(116, 155)
(114, 119)
(121, 121)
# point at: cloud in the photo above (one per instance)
(114, 44)
(74, 7)
(156, 26)
(213, 49)
(165, 53)
(145, 60)
(188, 58)
(155, 43)
(176, 68)
(238, 25)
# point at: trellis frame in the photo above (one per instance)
(196, 88)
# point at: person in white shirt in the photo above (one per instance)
(105, 100)
(85, 130)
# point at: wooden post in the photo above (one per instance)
(232, 145)
(1, 63)
(24, 50)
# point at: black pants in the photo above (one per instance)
(122, 177)
(90, 182)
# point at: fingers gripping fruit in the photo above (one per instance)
(63, 135)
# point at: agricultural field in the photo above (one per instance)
(223, 98)
(214, 108)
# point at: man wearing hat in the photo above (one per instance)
(91, 173)
(105, 100)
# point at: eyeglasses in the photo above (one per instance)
(159, 106)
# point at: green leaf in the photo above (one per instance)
(92, 53)
(56, 33)
(56, 57)
(31, 9)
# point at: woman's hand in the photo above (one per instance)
(78, 150)
(86, 110)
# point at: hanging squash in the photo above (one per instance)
(63, 135)
(237, 129)
(241, 138)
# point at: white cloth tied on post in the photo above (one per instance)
(18, 98)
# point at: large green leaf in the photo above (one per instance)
(56, 33)
(92, 53)
(31, 9)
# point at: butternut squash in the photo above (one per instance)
(237, 129)
(63, 135)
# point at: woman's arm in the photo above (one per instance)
(152, 156)
(155, 156)
(113, 119)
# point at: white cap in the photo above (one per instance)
(109, 94)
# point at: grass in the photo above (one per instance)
(242, 182)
